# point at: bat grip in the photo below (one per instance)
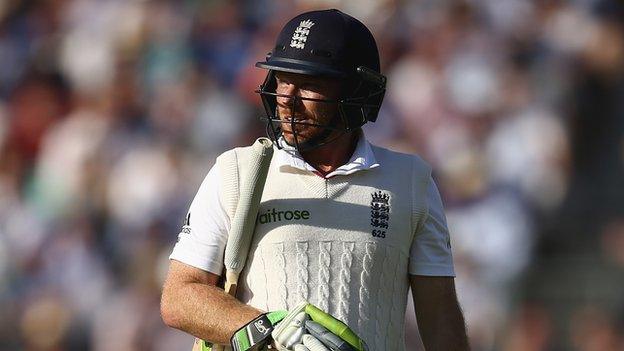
(231, 282)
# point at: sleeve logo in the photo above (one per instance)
(186, 226)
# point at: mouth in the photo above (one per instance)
(289, 118)
(301, 125)
(299, 121)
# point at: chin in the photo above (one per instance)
(290, 140)
(290, 137)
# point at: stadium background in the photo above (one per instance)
(111, 112)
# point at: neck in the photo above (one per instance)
(328, 158)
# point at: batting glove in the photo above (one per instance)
(257, 333)
(308, 328)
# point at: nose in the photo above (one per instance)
(287, 88)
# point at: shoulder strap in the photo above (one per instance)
(229, 165)
(229, 175)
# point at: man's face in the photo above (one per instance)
(306, 111)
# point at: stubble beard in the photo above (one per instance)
(308, 137)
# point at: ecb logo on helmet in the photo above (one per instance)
(300, 36)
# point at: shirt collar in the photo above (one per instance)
(363, 158)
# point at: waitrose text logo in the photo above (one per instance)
(273, 215)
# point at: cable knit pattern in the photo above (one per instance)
(392, 334)
(381, 323)
(365, 278)
(346, 260)
(265, 278)
(326, 244)
(323, 277)
(281, 272)
(302, 271)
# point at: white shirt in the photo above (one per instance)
(204, 247)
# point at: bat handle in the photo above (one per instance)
(197, 345)
(231, 282)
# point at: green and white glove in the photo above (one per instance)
(289, 332)
(257, 333)
(307, 328)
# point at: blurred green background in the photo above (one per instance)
(112, 112)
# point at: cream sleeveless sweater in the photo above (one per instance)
(340, 243)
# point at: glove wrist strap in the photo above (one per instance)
(256, 333)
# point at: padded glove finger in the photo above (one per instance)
(313, 344)
(329, 339)
(336, 327)
(289, 332)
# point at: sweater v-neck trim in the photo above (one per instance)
(363, 158)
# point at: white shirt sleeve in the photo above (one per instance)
(430, 253)
(201, 242)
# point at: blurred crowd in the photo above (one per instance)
(112, 112)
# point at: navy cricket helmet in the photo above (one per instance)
(327, 43)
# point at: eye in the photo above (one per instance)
(311, 86)
(281, 80)
(282, 84)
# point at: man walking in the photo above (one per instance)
(343, 224)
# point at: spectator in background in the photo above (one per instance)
(106, 110)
